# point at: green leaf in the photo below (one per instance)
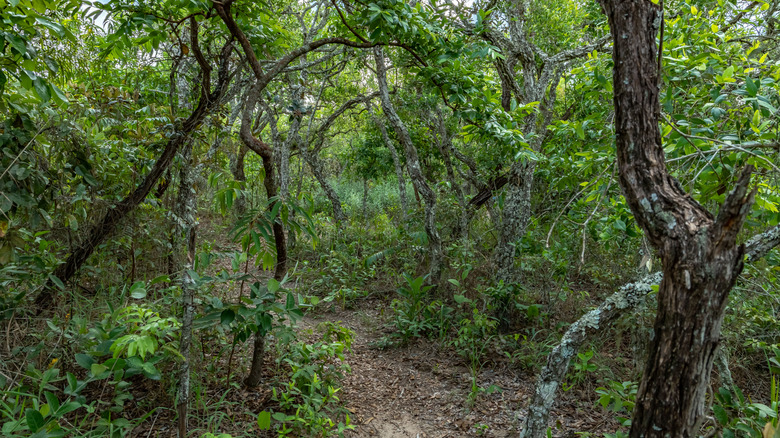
(85, 360)
(34, 419)
(460, 299)
(264, 420)
(720, 415)
(138, 290)
(161, 279)
(42, 89)
(273, 285)
(17, 43)
(290, 301)
(57, 281)
(51, 399)
(728, 73)
(97, 369)
(54, 27)
(226, 317)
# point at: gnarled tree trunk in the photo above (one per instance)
(280, 240)
(700, 257)
(315, 164)
(413, 165)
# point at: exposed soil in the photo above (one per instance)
(422, 390)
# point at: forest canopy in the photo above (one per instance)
(509, 217)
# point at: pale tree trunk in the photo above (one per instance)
(541, 74)
(187, 209)
(700, 257)
(444, 144)
(514, 219)
(237, 169)
(283, 157)
(399, 170)
(312, 159)
(413, 166)
(628, 298)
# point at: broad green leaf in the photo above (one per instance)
(34, 419)
(264, 420)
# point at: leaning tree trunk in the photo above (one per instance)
(700, 257)
(628, 298)
(312, 159)
(280, 241)
(413, 165)
(100, 231)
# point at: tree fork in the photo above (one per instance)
(700, 257)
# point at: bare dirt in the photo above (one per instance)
(422, 389)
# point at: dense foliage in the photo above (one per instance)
(186, 186)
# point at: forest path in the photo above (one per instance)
(419, 390)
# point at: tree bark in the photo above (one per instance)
(280, 239)
(514, 219)
(700, 257)
(187, 210)
(626, 299)
(237, 169)
(100, 231)
(399, 170)
(413, 165)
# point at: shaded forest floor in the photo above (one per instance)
(416, 389)
(422, 389)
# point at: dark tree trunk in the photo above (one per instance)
(258, 355)
(280, 239)
(100, 231)
(700, 257)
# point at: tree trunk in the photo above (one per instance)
(315, 165)
(237, 169)
(626, 299)
(100, 231)
(413, 165)
(280, 240)
(258, 355)
(187, 210)
(283, 157)
(700, 257)
(515, 217)
(399, 170)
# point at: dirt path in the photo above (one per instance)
(419, 390)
